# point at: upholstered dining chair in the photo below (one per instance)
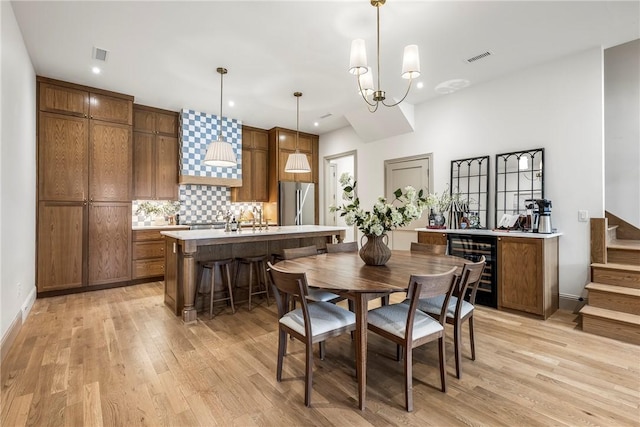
(313, 294)
(342, 247)
(458, 309)
(409, 327)
(312, 323)
(428, 248)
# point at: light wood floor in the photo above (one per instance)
(120, 358)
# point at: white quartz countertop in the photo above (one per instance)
(248, 232)
(486, 232)
(161, 227)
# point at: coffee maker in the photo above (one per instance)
(539, 215)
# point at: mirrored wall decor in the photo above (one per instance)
(519, 177)
(469, 193)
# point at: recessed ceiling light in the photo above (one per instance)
(420, 85)
(451, 86)
(95, 70)
(232, 104)
(316, 124)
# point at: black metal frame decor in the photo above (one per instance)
(470, 181)
(519, 176)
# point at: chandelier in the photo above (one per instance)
(220, 153)
(297, 162)
(358, 66)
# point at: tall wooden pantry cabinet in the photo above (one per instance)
(84, 186)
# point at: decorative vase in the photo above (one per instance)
(375, 251)
(439, 219)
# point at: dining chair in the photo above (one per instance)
(458, 309)
(313, 322)
(409, 327)
(428, 248)
(313, 294)
(342, 247)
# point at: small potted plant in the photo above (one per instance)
(152, 210)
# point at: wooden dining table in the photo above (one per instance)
(346, 274)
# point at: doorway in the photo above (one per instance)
(335, 166)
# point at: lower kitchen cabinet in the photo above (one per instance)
(148, 253)
(83, 245)
(432, 238)
(528, 275)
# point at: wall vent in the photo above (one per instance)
(478, 57)
(100, 54)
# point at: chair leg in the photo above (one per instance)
(457, 347)
(321, 349)
(408, 379)
(282, 349)
(266, 281)
(308, 378)
(229, 289)
(250, 284)
(443, 366)
(471, 339)
(213, 284)
(399, 352)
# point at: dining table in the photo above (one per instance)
(347, 275)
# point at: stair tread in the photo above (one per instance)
(613, 289)
(613, 266)
(633, 245)
(610, 314)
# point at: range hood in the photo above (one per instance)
(197, 130)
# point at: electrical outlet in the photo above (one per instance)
(583, 216)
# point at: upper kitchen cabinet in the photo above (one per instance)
(282, 143)
(73, 100)
(155, 154)
(255, 167)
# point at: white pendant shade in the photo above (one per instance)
(297, 163)
(358, 58)
(366, 82)
(410, 62)
(220, 153)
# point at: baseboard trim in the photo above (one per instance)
(571, 303)
(10, 336)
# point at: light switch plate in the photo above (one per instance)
(583, 216)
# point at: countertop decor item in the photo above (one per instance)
(383, 217)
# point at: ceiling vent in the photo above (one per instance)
(478, 57)
(326, 115)
(100, 54)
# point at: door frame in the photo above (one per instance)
(326, 191)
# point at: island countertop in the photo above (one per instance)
(487, 232)
(211, 236)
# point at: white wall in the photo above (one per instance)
(622, 131)
(557, 106)
(18, 172)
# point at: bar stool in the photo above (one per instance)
(216, 266)
(257, 264)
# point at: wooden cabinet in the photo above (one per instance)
(432, 238)
(528, 275)
(255, 167)
(148, 254)
(84, 186)
(155, 154)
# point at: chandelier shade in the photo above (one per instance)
(220, 153)
(297, 162)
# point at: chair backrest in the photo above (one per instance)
(428, 249)
(287, 286)
(293, 253)
(470, 279)
(430, 286)
(342, 247)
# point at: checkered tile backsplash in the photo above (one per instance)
(198, 130)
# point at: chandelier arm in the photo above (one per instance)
(362, 93)
(405, 95)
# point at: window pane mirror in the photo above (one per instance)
(519, 176)
(470, 188)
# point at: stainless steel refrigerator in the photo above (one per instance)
(296, 201)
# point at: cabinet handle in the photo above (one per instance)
(499, 239)
(85, 116)
(91, 117)
(84, 202)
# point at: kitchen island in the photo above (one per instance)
(185, 248)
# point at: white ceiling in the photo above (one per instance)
(166, 53)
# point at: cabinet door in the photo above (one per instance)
(62, 158)
(167, 124)
(432, 238)
(110, 156)
(245, 193)
(143, 166)
(111, 109)
(259, 175)
(109, 254)
(144, 120)
(64, 100)
(60, 245)
(166, 168)
(520, 263)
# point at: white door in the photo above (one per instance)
(335, 167)
(399, 173)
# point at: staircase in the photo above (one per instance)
(613, 308)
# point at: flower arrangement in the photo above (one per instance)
(151, 208)
(439, 203)
(406, 207)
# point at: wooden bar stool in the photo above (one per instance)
(259, 265)
(221, 268)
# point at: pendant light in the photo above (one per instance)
(297, 162)
(220, 153)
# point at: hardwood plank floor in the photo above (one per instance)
(118, 357)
